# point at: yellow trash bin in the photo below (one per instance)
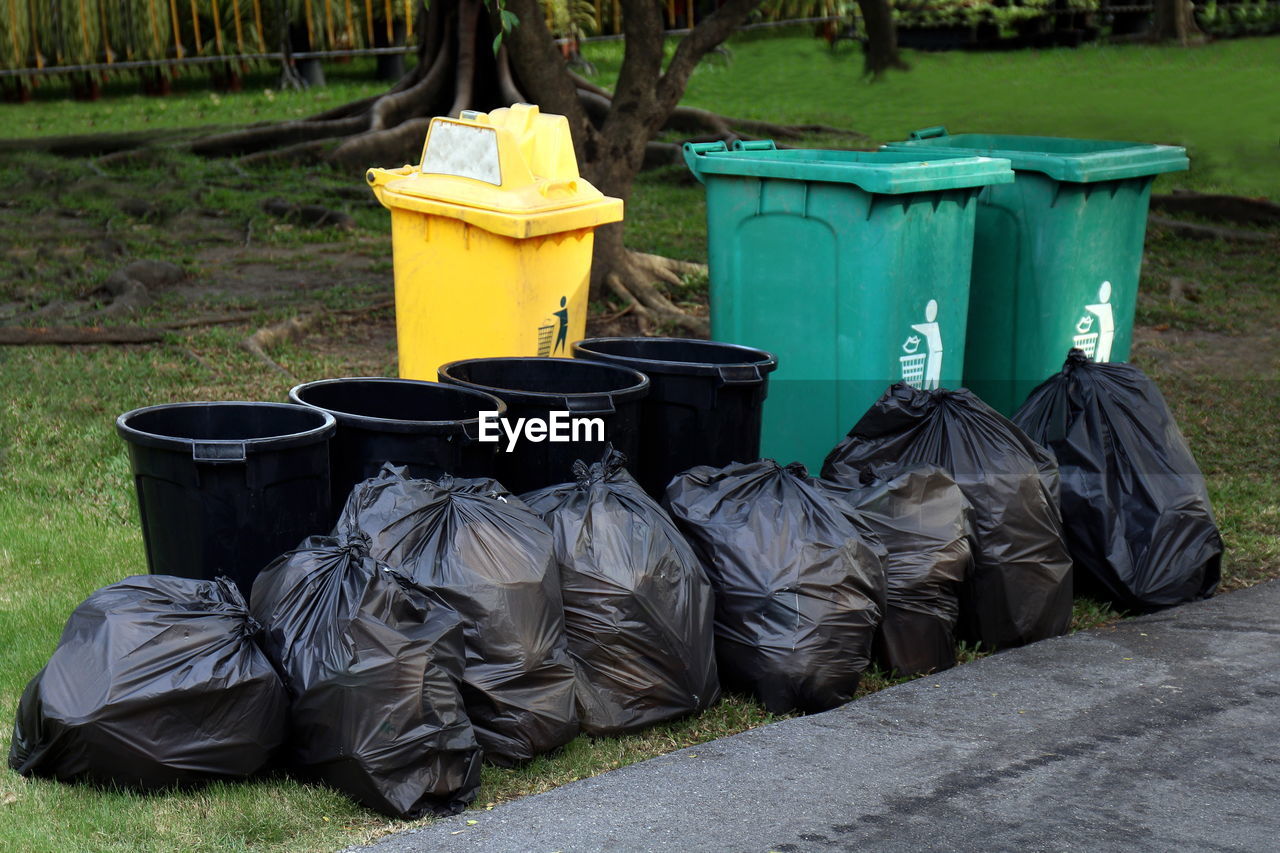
(491, 237)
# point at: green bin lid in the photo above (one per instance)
(888, 172)
(1063, 159)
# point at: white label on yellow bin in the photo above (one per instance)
(463, 150)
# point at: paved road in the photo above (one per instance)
(1160, 734)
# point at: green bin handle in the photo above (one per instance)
(929, 132)
(693, 151)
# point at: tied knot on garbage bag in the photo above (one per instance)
(354, 543)
(155, 683)
(1075, 358)
(1019, 589)
(637, 603)
(1135, 507)
(587, 475)
(491, 559)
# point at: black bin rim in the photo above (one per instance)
(321, 431)
(405, 425)
(637, 388)
(751, 357)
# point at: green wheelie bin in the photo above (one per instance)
(852, 267)
(1056, 253)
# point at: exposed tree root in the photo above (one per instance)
(1247, 211)
(263, 137)
(615, 133)
(392, 146)
(43, 335)
(270, 336)
(1212, 232)
(201, 360)
(694, 120)
(631, 277)
(97, 144)
(311, 215)
(315, 151)
(267, 337)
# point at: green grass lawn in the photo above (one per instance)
(68, 522)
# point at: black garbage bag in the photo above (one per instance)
(799, 587)
(921, 518)
(157, 682)
(1020, 588)
(491, 559)
(1134, 504)
(372, 662)
(638, 608)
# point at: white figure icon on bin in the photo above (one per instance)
(1096, 330)
(924, 369)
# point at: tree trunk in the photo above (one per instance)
(612, 131)
(1175, 20)
(880, 53)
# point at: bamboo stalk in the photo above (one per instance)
(328, 23)
(84, 32)
(391, 35)
(195, 25)
(13, 32)
(106, 34)
(217, 27)
(35, 41)
(408, 18)
(351, 32)
(235, 13)
(257, 23)
(311, 35)
(173, 19)
(368, 21)
(153, 20)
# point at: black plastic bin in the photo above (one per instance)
(536, 387)
(429, 428)
(704, 404)
(225, 488)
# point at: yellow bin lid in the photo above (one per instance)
(511, 171)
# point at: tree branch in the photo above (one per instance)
(708, 34)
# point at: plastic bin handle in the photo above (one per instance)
(220, 452)
(740, 374)
(379, 178)
(693, 151)
(754, 145)
(600, 404)
(929, 132)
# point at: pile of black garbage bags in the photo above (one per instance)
(445, 622)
